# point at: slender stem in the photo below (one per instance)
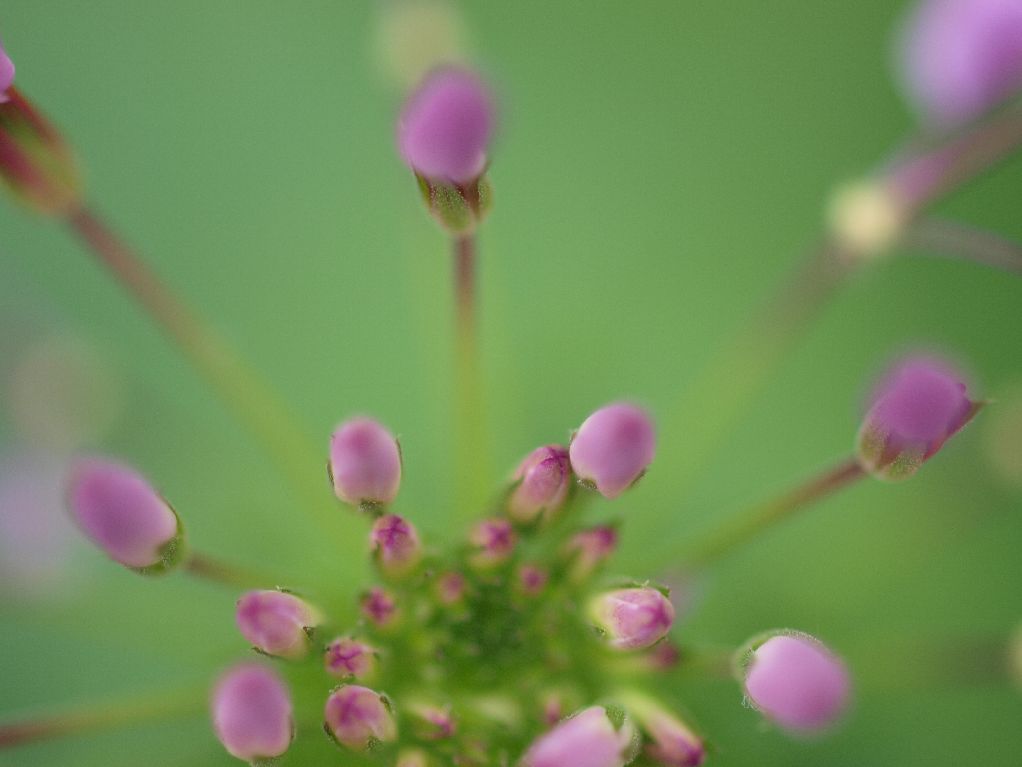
(470, 431)
(211, 569)
(950, 239)
(747, 525)
(101, 716)
(254, 404)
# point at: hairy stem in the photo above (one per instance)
(101, 716)
(747, 525)
(470, 426)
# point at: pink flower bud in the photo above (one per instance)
(6, 73)
(543, 478)
(379, 607)
(588, 549)
(433, 722)
(359, 718)
(959, 58)
(445, 127)
(532, 579)
(588, 739)
(918, 406)
(494, 542)
(365, 463)
(276, 623)
(633, 618)
(252, 713)
(672, 743)
(396, 547)
(613, 447)
(795, 681)
(348, 658)
(450, 588)
(120, 512)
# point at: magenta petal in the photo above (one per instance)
(121, 512)
(445, 126)
(252, 713)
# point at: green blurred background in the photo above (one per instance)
(660, 165)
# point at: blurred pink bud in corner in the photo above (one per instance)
(960, 58)
(795, 681)
(252, 713)
(613, 448)
(587, 739)
(120, 512)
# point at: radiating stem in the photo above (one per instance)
(747, 525)
(470, 432)
(212, 569)
(950, 239)
(255, 405)
(101, 716)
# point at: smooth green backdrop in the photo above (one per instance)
(659, 166)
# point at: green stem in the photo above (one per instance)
(950, 239)
(747, 525)
(254, 404)
(101, 716)
(470, 426)
(211, 569)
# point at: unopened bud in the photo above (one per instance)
(35, 163)
(603, 742)
(450, 588)
(919, 405)
(365, 464)
(348, 658)
(960, 58)
(587, 549)
(252, 714)
(359, 718)
(532, 579)
(633, 618)
(613, 448)
(432, 722)
(493, 542)
(379, 607)
(795, 681)
(120, 512)
(672, 743)
(396, 547)
(276, 623)
(543, 479)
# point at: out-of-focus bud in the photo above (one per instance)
(587, 549)
(120, 512)
(252, 713)
(396, 547)
(960, 58)
(555, 705)
(450, 588)
(359, 718)
(276, 623)
(602, 737)
(919, 405)
(35, 163)
(431, 722)
(412, 757)
(613, 447)
(866, 218)
(672, 743)
(348, 658)
(379, 607)
(443, 135)
(417, 36)
(795, 681)
(365, 464)
(6, 73)
(542, 482)
(493, 542)
(632, 618)
(532, 579)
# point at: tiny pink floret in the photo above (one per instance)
(365, 462)
(276, 623)
(359, 717)
(395, 544)
(613, 447)
(633, 618)
(252, 714)
(120, 512)
(544, 479)
(348, 658)
(494, 541)
(795, 681)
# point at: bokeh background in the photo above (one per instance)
(660, 166)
